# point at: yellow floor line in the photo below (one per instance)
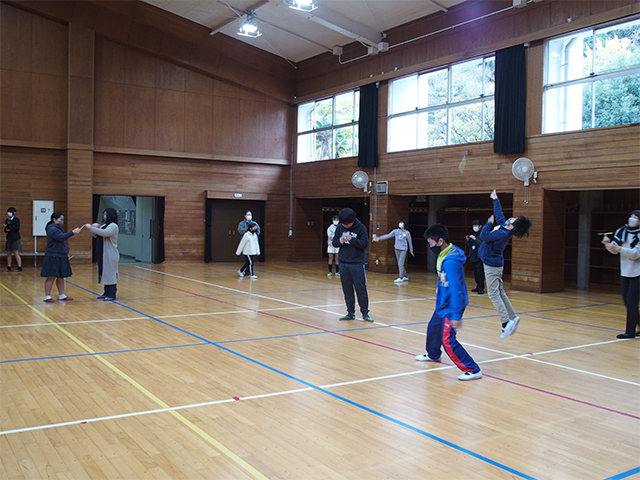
(224, 450)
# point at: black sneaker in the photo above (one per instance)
(101, 297)
(625, 335)
(480, 292)
(347, 317)
(474, 290)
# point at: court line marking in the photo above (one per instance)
(626, 474)
(344, 399)
(204, 435)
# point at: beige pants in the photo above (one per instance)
(495, 290)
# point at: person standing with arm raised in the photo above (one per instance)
(403, 244)
(495, 235)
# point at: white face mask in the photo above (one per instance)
(248, 217)
(10, 215)
(476, 229)
(633, 221)
(401, 225)
(336, 222)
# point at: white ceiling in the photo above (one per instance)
(297, 36)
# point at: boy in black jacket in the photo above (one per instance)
(353, 240)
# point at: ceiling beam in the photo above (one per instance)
(343, 25)
(237, 14)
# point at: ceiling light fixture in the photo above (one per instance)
(249, 27)
(302, 5)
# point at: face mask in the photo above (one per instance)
(435, 249)
(248, 217)
(476, 229)
(336, 222)
(104, 218)
(401, 225)
(10, 215)
(633, 222)
(60, 222)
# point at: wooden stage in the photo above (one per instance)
(196, 373)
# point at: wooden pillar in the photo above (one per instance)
(80, 137)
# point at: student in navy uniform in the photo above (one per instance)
(13, 245)
(495, 235)
(451, 301)
(402, 244)
(352, 238)
(474, 242)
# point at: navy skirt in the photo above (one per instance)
(13, 245)
(55, 267)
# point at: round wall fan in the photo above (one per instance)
(360, 179)
(523, 170)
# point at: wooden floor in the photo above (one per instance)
(196, 373)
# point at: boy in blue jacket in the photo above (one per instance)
(451, 300)
(495, 239)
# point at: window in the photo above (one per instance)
(448, 106)
(592, 79)
(329, 128)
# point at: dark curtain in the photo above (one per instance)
(208, 218)
(159, 214)
(368, 124)
(510, 100)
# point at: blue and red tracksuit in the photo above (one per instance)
(451, 300)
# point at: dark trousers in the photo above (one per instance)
(440, 334)
(247, 268)
(631, 296)
(352, 276)
(478, 272)
(110, 291)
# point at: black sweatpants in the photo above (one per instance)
(353, 277)
(631, 296)
(478, 273)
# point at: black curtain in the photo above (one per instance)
(208, 218)
(368, 123)
(510, 100)
(159, 214)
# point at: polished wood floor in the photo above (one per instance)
(196, 373)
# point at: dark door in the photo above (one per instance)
(225, 216)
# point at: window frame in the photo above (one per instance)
(448, 106)
(354, 123)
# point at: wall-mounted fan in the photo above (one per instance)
(523, 170)
(360, 179)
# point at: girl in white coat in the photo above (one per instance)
(249, 247)
(107, 252)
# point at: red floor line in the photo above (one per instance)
(270, 315)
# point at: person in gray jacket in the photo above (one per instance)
(107, 252)
(403, 244)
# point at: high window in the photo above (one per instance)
(329, 128)
(592, 78)
(447, 106)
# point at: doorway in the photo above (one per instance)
(221, 235)
(140, 223)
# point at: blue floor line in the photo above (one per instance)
(315, 387)
(626, 474)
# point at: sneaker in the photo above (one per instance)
(347, 317)
(398, 280)
(329, 274)
(337, 274)
(254, 276)
(19, 269)
(426, 358)
(109, 299)
(101, 297)
(470, 376)
(240, 273)
(474, 289)
(510, 328)
(367, 318)
(405, 279)
(480, 292)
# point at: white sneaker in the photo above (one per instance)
(510, 328)
(240, 273)
(397, 280)
(254, 276)
(470, 376)
(329, 274)
(425, 358)
(337, 274)
(405, 279)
